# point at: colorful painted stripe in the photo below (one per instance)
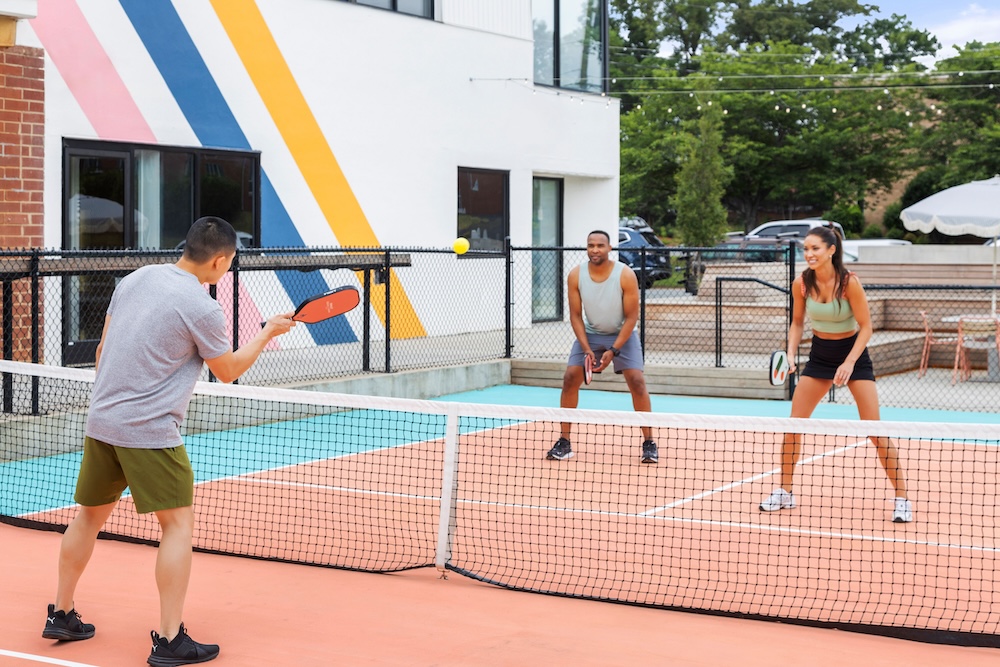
(187, 76)
(290, 111)
(89, 73)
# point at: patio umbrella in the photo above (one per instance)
(972, 208)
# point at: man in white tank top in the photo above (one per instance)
(603, 310)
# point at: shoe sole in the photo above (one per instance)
(65, 635)
(553, 457)
(175, 662)
(650, 459)
(900, 519)
(777, 509)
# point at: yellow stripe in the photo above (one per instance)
(295, 121)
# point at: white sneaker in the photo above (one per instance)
(903, 512)
(778, 500)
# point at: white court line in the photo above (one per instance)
(42, 658)
(764, 475)
(645, 515)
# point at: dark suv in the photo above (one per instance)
(630, 243)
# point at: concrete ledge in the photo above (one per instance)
(677, 380)
(422, 383)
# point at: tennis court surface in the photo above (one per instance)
(391, 485)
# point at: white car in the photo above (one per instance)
(790, 228)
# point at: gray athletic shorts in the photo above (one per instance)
(629, 357)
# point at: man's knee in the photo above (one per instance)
(572, 378)
(635, 380)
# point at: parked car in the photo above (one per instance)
(853, 246)
(657, 254)
(790, 228)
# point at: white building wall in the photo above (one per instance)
(422, 99)
(402, 103)
(503, 17)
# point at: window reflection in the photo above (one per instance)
(570, 43)
(482, 208)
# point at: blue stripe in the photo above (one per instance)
(187, 76)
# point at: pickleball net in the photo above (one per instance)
(380, 484)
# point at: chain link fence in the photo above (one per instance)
(427, 308)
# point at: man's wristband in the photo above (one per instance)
(614, 350)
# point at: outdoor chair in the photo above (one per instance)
(930, 340)
(974, 333)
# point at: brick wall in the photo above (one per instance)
(22, 129)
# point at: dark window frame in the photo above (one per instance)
(76, 350)
(395, 8)
(84, 147)
(557, 50)
(464, 171)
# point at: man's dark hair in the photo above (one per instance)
(601, 231)
(208, 237)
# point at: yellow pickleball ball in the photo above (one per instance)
(461, 245)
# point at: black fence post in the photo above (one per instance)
(508, 293)
(236, 305)
(8, 344)
(718, 322)
(791, 306)
(35, 346)
(642, 301)
(388, 337)
(214, 293)
(366, 318)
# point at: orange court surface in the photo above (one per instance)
(268, 613)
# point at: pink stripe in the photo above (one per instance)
(250, 315)
(89, 73)
(109, 106)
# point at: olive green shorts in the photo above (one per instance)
(160, 479)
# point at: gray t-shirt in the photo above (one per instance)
(163, 325)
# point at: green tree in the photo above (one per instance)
(686, 24)
(636, 34)
(651, 142)
(963, 118)
(888, 43)
(812, 23)
(701, 218)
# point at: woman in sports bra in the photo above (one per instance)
(841, 323)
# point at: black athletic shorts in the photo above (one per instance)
(826, 356)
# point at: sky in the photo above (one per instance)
(952, 22)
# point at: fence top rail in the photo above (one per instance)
(12, 268)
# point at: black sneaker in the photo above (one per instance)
(560, 451)
(650, 453)
(181, 650)
(66, 626)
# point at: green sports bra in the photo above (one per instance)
(835, 316)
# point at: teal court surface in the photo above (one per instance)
(592, 399)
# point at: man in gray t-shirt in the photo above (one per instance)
(160, 328)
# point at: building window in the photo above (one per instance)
(571, 43)
(137, 196)
(482, 208)
(424, 8)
